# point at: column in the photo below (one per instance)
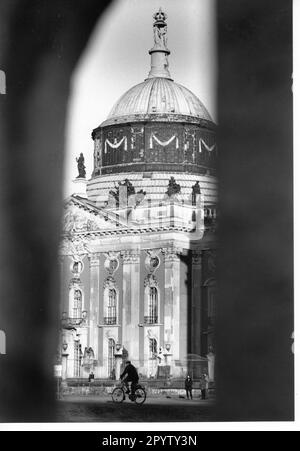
(94, 303)
(211, 366)
(172, 300)
(118, 360)
(64, 363)
(131, 299)
(196, 320)
(62, 307)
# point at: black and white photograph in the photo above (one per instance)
(146, 215)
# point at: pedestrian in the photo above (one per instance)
(189, 387)
(204, 385)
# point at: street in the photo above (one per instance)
(102, 409)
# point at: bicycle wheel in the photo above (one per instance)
(140, 396)
(118, 395)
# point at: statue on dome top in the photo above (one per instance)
(160, 29)
(160, 36)
(81, 166)
(160, 16)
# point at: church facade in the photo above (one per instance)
(138, 247)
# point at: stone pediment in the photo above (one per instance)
(82, 216)
(84, 221)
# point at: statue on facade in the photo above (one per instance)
(116, 192)
(173, 187)
(81, 166)
(161, 357)
(130, 187)
(195, 190)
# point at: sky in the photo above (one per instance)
(116, 58)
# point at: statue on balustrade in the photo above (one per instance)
(81, 166)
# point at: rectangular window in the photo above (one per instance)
(152, 348)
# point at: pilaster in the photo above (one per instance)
(131, 300)
(94, 261)
(172, 299)
(196, 307)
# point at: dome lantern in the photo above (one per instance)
(159, 53)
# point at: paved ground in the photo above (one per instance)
(102, 409)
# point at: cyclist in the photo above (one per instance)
(130, 374)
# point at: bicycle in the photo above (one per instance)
(119, 394)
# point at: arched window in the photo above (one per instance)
(111, 309)
(111, 356)
(153, 305)
(77, 304)
(152, 348)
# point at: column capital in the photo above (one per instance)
(131, 256)
(171, 254)
(94, 259)
(197, 257)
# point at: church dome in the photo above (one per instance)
(154, 97)
(157, 125)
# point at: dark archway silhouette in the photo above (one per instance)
(42, 43)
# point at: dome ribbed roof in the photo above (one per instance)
(157, 96)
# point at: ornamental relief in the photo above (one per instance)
(76, 267)
(197, 257)
(150, 281)
(171, 254)
(111, 334)
(76, 220)
(131, 256)
(75, 248)
(151, 334)
(112, 263)
(152, 261)
(109, 283)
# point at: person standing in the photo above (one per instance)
(204, 385)
(189, 387)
